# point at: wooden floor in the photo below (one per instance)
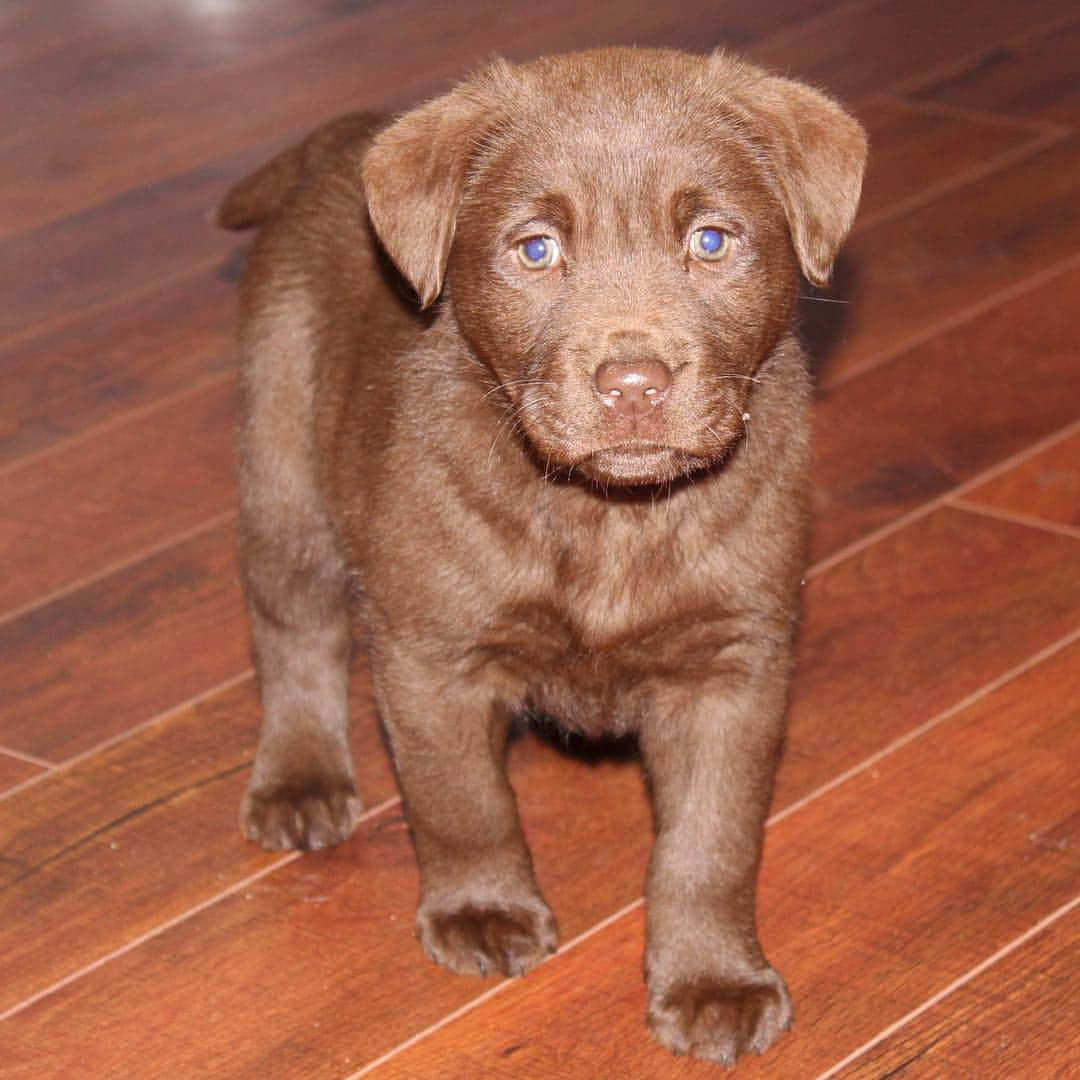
(922, 864)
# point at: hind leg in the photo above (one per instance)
(302, 792)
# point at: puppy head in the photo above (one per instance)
(620, 232)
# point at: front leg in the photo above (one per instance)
(480, 909)
(710, 757)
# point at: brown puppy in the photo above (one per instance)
(577, 486)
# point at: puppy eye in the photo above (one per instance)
(538, 252)
(710, 244)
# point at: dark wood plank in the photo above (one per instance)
(937, 415)
(1012, 1020)
(907, 275)
(73, 513)
(906, 629)
(86, 367)
(59, 58)
(14, 770)
(882, 45)
(912, 624)
(82, 861)
(914, 151)
(873, 898)
(1045, 487)
(1036, 80)
(99, 660)
(81, 160)
(62, 270)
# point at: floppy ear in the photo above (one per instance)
(818, 153)
(414, 174)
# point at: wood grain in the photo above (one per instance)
(101, 501)
(906, 275)
(99, 660)
(907, 627)
(915, 151)
(86, 367)
(1036, 80)
(91, 258)
(82, 872)
(60, 59)
(1045, 487)
(940, 413)
(896, 635)
(881, 46)
(872, 898)
(1012, 1020)
(14, 770)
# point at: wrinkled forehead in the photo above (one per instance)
(614, 151)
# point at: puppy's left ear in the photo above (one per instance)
(415, 172)
(818, 153)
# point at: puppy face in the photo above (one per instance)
(621, 232)
(623, 270)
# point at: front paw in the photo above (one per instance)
(479, 938)
(719, 1018)
(309, 814)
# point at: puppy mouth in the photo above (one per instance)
(639, 463)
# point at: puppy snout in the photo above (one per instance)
(632, 387)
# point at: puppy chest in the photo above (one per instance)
(596, 675)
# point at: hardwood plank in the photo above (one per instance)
(99, 660)
(914, 151)
(64, 269)
(57, 58)
(76, 162)
(86, 367)
(14, 770)
(872, 899)
(880, 46)
(1045, 487)
(1036, 80)
(906, 275)
(906, 629)
(940, 413)
(82, 873)
(912, 624)
(104, 500)
(1009, 1021)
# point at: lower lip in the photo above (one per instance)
(634, 462)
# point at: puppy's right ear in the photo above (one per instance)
(415, 172)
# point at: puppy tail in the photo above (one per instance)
(259, 197)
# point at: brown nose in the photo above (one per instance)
(632, 387)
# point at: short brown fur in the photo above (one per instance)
(517, 527)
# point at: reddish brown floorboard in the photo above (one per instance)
(1035, 80)
(14, 770)
(999, 1024)
(108, 499)
(1045, 488)
(138, 927)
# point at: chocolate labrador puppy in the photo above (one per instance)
(571, 480)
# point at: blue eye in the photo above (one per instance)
(710, 244)
(538, 252)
